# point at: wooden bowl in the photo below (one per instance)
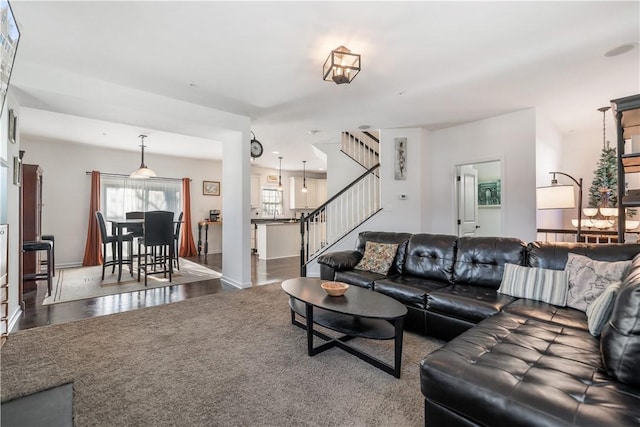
(334, 289)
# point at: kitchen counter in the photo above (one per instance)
(278, 239)
(273, 221)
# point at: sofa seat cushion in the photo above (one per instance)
(563, 316)
(409, 290)
(468, 302)
(521, 371)
(361, 278)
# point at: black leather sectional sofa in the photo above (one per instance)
(510, 361)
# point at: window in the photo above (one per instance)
(122, 194)
(271, 202)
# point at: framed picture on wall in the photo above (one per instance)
(17, 171)
(13, 121)
(489, 194)
(211, 188)
(400, 159)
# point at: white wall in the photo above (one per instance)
(12, 214)
(511, 137)
(548, 158)
(66, 188)
(341, 169)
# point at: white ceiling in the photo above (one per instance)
(424, 64)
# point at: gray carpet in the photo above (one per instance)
(225, 359)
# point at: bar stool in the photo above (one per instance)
(31, 246)
(52, 239)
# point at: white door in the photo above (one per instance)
(467, 201)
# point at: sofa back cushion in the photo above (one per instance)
(553, 255)
(431, 256)
(480, 260)
(386, 237)
(620, 338)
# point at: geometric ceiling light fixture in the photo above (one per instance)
(143, 172)
(341, 66)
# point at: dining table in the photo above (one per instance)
(119, 227)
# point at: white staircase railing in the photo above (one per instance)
(363, 147)
(341, 214)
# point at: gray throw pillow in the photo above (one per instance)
(599, 311)
(589, 278)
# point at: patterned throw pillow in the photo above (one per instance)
(599, 311)
(589, 278)
(377, 257)
(535, 283)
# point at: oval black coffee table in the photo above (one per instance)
(359, 313)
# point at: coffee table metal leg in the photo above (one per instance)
(309, 318)
(398, 323)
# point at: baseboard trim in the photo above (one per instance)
(230, 282)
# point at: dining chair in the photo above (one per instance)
(176, 240)
(157, 236)
(113, 240)
(136, 230)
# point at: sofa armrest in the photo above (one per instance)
(342, 260)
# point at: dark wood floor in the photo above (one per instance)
(36, 314)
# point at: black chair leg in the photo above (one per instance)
(114, 255)
(104, 259)
(49, 271)
(131, 257)
(176, 253)
(139, 261)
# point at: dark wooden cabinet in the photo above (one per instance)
(31, 219)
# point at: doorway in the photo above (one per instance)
(480, 198)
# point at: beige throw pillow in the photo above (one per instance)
(377, 257)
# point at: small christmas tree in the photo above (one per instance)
(605, 177)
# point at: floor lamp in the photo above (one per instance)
(558, 196)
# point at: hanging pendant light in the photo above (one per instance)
(280, 174)
(143, 172)
(304, 176)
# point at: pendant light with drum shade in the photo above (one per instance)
(304, 176)
(280, 174)
(143, 172)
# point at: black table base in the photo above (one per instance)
(352, 327)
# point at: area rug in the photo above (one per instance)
(77, 283)
(227, 359)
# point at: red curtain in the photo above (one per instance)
(187, 245)
(92, 248)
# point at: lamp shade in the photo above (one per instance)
(555, 197)
(143, 173)
(609, 211)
